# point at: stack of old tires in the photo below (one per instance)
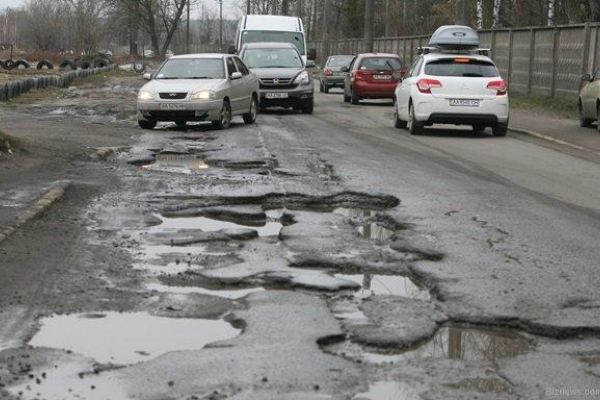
(10, 64)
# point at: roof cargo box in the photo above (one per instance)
(454, 36)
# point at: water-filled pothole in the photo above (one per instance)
(271, 227)
(232, 294)
(369, 229)
(449, 342)
(126, 338)
(181, 163)
(387, 285)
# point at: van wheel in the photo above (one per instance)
(225, 121)
(583, 122)
(413, 126)
(147, 123)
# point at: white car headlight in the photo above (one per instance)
(302, 78)
(204, 95)
(145, 95)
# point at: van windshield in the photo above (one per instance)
(295, 38)
(272, 58)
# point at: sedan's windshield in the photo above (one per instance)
(462, 67)
(192, 68)
(295, 38)
(272, 58)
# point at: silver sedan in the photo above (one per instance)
(199, 87)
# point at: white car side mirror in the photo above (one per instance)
(236, 75)
(148, 76)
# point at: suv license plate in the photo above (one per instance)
(172, 106)
(276, 95)
(464, 103)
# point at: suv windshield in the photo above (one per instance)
(465, 67)
(339, 62)
(192, 68)
(295, 38)
(380, 64)
(272, 58)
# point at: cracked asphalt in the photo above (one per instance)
(304, 257)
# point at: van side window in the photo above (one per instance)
(230, 66)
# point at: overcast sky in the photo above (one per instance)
(229, 7)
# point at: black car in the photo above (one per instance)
(284, 79)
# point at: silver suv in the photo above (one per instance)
(284, 80)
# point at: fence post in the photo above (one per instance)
(510, 56)
(586, 47)
(531, 59)
(555, 61)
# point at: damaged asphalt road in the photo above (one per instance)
(325, 257)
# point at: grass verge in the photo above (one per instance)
(8, 142)
(567, 108)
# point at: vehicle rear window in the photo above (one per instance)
(380, 64)
(338, 62)
(467, 67)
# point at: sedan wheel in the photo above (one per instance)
(225, 121)
(250, 118)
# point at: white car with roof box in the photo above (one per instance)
(199, 87)
(452, 82)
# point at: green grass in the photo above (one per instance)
(567, 108)
(8, 142)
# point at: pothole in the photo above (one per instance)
(232, 294)
(369, 229)
(387, 285)
(177, 163)
(449, 342)
(126, 338)
(390, 390)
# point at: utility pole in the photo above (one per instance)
(388, 18)
(248, 7)
(221, 26)
(369, 25)
(187, 30)
(326, 19)
(462, 13)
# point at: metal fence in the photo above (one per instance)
(546, 61)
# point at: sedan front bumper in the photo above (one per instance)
(200, 110)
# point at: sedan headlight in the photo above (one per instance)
(145, 95)
(302, 78)
(204, 95)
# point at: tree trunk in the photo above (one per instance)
(594, 10)
(551, 12)
(479, 22)
(462, 13)
(496, 14)
(369, 24)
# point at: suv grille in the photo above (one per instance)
(277, 83)
(173, 96)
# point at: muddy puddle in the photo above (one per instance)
(126, 338)
(271, 228)
(389, 390)
(450, 342)
(387, 285)
(177, 163)
(232, 294)
(368, 230)
(180, 259)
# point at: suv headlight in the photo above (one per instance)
(303, 78)
(204, 95)
(145, 95)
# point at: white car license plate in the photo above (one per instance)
(464, 103)
(276, 95)
(172, 106)
(382, 77)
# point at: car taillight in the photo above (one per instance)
(327, 72)
(425, 85)
(499, 86)
(360, 75)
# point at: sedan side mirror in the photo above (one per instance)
(148, 76)
(310, 64)
(586, 77)
(345, 69)
(236, 75)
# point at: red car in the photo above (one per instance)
(372, 76)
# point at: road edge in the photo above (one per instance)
(55, 193)
(552, 139)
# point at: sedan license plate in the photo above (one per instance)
(276, 96)
(382, 77)
(172, 106)
(464, 103)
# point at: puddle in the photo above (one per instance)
(371, 230)
(186, 163)
(271, 228)
(151, 256)
(456, 343)
(387, 284)
(388, 390)
(228, 294)
(128, 337)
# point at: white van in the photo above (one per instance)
(272, 29)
